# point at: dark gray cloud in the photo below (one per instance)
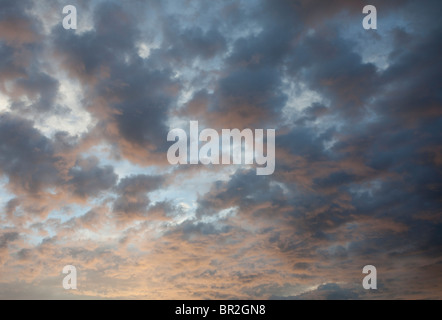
(329, 65)
(23, 77)
(27, 157)
(414, 94)
(88, 179)
(249, 92)
(40, 88)
(185, 45)
(245, 189)
(129, 96)
(132, 193)
(190, 230)
(7, 237)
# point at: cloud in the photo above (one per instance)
(185, 45)
(358, 156)
(128, 96)
(89, 179)
(16, 27)
(28, 157)
(329, 291)
(132, 193)
(8, 237)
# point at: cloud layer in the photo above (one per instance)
(84, 117)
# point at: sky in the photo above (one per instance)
(84, 175)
